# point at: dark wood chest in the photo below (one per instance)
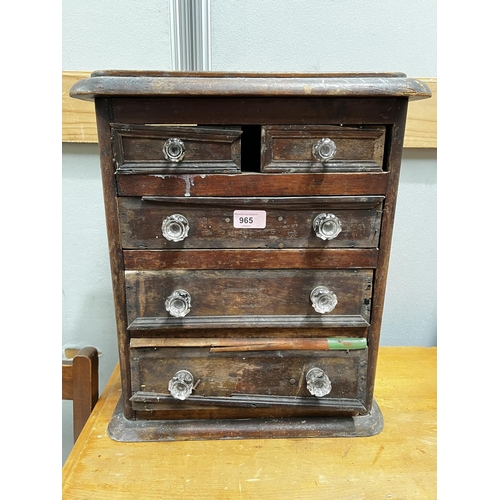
(249, 222)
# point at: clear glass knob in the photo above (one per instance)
(327, 226)
(174, 149)
(181, 385)
(318, 383)
(323, 300)
(178, 304)
(175, 227)
(324, 149)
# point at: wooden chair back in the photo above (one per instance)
(80, 383)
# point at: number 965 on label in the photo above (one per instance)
(255, 219)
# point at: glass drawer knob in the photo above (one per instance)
(323, 300)
(318, 383)
(175, 227)
(324, 149)
(178, 304)
(181, 385)
(327, 226)
(174, 149)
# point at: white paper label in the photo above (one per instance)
(255, 219)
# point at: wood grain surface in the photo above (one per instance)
(79, 124)
(398, 463)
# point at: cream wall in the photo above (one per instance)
(261, 35)
(325, 35)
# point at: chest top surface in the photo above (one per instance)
(158, 83)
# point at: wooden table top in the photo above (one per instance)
(398, 463)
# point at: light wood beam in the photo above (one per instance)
(421, 125)
(78, 117)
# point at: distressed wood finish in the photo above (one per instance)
(394, 166)
(230, 344)
(279, 110)
(79, 124)
(313, 258)
(275, 378)
(289, 222)
(276, 323)
(400, 462)
(245, 281)
(103, 114)
(351, 184)
(247, 292)
(158, 83)
(158, 336)
(207, 149)
(290, 149)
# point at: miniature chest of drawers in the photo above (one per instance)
(249, 221)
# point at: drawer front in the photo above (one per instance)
(191, 382)
(142, 149)
(322, 148)
(308, 222)
(157, 299)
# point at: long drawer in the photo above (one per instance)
(293, 222)
(194, 382)
(248, 298)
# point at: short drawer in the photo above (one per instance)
(323, 148)
(293, 222)
(156, 148)
(196, 382)
(248, 298)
